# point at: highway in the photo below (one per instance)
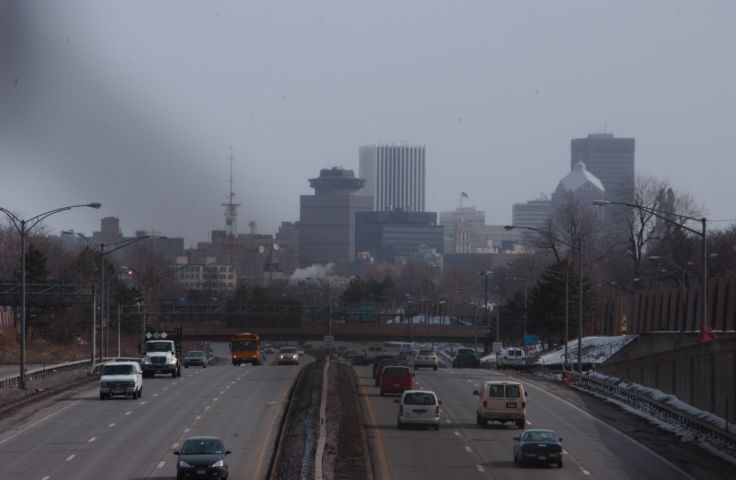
(462, 449)
(85, 438)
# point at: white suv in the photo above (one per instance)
(425, 358)
(511, 358)
(121, 378)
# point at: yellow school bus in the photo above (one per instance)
(245, 348)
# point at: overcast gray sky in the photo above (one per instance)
(134, 103)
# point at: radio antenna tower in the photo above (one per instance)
(231, 208)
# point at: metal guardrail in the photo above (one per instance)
(716, 436)
(51, 370)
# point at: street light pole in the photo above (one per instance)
(580, 282)
(23, 228)
(662, 215)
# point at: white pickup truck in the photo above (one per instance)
(121, 378)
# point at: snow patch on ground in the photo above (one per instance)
(596, 350)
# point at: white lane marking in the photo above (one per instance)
(174, 445)
(166, 388)
(70, 457)
(197, 417)
(174, 383)
(222, 392)
(468, 449)
(46, 478)
(111, 425)
(564, 451)
(155, 394)
(207, 407)
(609, 427)
(529, 422)
(447, 420)
(142, 403)
(91, 440)
(128, 413)
(469, 380)
(161, 464)
(186, 430)
(38, 422)
(457, 434)
(585, 472)
(215, 399)
(480, 468)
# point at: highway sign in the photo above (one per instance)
(329, 340)
(531, 339)
(497, 347)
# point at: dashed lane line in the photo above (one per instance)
(111, 425)
(91, 440)
(480, 468)
(161, 464)
(468, 449)
(142, 403)
(174, 445)
(457, 434)
(70, 457)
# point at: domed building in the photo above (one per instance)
(579, 184)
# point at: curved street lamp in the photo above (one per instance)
(579, 248)
(23, 227)
(102, 252)
(663, 215)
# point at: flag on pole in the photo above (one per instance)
(706, 334)
(463, 195)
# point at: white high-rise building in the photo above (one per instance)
(394, 176)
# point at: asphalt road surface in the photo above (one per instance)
(462, 449)
(82, 437)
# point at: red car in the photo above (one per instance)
(396, 379)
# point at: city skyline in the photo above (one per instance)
(143, 122)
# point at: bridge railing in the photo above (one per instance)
(47, 371)
(721, 437)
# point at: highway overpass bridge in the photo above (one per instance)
(344, 331)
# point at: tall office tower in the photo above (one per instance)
(327, 218)
(394, 176)
(533, 213)
(610, 159)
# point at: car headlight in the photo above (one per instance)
(147, 361)
(183, 464)
(172, 361)
(219, 464)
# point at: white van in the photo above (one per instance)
(511, 358)
(373, 350)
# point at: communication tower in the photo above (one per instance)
(231, 208)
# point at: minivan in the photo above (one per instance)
(501, 401)
(396, 379)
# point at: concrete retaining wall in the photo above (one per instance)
(700, 375)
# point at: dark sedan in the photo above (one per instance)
(202, 457)
(538, 447)
(195, 357)
(465, 357)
